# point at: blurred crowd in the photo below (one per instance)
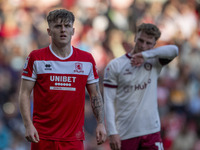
(106, 28)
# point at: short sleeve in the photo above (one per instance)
(93, 74)
(29, 70)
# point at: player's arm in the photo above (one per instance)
(98, 110)
(165, 54)
(109, 97)
(24, 105)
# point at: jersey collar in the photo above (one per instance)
(128, 55)
(59, 56)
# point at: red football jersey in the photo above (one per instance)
(59, 92)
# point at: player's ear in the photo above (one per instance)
(49, 31)
(73, 31)
(154, 44)
(135, 38)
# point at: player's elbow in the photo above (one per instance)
(175, 48)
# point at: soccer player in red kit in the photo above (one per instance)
(58, 75)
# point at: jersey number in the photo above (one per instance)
(159, 145)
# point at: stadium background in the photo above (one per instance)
(106, 28)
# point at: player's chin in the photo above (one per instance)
(63, 43)
(99, 143)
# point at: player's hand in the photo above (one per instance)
(101, 133)
(137, 59)
(32, 134)
(115, 142)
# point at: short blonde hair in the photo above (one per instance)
(149, 29)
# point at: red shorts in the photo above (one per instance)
(57, 145)
(146, 142)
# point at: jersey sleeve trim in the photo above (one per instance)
(110, 86)
(28, 78)
(92, 81)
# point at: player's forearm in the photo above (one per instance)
(168, 52)
(24, 100)
(24, 105)
(97, 106)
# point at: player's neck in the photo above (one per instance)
(61, 51)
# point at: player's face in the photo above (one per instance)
(61, 32)
(144, 42)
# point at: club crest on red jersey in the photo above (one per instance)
(79, 68)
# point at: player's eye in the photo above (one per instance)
(149, 43)
(142, 41)
(57, 26)
(67, 25)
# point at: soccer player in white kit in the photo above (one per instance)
(130, 92)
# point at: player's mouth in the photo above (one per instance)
(63, 36)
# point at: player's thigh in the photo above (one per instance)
(152, 142)
(57, 145)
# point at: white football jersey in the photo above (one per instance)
(130, 95)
